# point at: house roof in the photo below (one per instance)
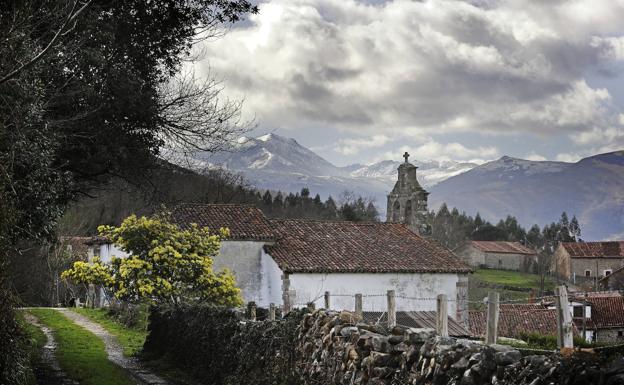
(501, 247)
(612, 249)
(306, 246)
(514, 321)
(607, 309)
(74, 244)
(416, 319)
(245, 222)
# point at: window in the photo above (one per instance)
(588, 273)
(500, 262)
(607, 272)
(578, 311)
(620, 333)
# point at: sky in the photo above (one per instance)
(364, 81)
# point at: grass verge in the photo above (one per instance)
(130, 339)
(511, 278)
(33, 343)
(80, 353)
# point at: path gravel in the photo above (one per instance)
(114, 350)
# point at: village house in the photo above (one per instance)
(498, 255)
(604, 316)
(587, 262)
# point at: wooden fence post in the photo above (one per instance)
(311, 306)
(272, 312)
(442, 319)
(564, 319)
(391, 309)
(491, 332)
(327, 300)
(358, 306)
(252, 311)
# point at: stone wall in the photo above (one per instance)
(330, 347)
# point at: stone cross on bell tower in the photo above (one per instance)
(407, 202)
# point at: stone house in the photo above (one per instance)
(498, 255)
(587, 262)
(604, 316)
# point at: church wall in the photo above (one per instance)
(310, 287)
(245, 260)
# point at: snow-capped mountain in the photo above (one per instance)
(532, 191)
(278, 163)
(539, 191)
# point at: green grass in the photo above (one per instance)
(511, 278)
(80, 353)
(511, 285)
(33, 344)
(130, 339)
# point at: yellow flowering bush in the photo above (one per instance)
(166, 264)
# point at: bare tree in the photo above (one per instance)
(195, 116)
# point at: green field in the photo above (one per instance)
(130, 339)
(80, 353)
(511, 285)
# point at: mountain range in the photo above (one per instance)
(532, 191)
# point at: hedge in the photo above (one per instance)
(215, 346)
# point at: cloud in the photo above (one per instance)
(431, 149)
(354, 146)
(428, 67)
(534, 156)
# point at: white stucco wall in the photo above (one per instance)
(309, 287)
(105, 252)
(271, 282)
(243, 258)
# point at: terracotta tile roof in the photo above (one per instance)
(513, 323)
(349, 247)
(245, 222)
(501, 247)
(416, 319)
(594, 249)
(607, 309)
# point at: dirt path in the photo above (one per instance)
(48, 371)
(114, 350)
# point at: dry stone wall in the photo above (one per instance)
(330, 347)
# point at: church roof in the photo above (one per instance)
(306, 246)
(501, 247)
(245, 222)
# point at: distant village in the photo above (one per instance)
(293, 263)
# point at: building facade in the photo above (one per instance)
(498, 255)
(407, 202)
(587, 262)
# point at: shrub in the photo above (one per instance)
(212, 345)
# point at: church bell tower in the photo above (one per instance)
(407, 202)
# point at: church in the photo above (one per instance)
(407, 202)
(293, 262)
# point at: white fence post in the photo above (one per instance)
(442, 319)
(564, 319)
(491, 332)
(391, 309)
